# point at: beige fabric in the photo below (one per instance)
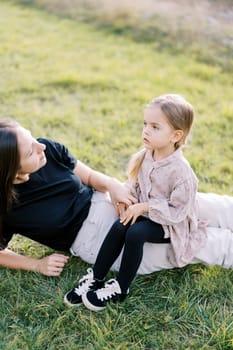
(218, 249)
(216, 209)
(170, 187)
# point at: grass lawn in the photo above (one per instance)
(86, 88)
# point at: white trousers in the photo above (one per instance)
(218, 250)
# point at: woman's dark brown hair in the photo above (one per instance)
(9, 165)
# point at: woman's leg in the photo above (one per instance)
(110, 249)
(144, 230)
(99, 221)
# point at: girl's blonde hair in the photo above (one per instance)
(179, 114)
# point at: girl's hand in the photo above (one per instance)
(133, 212)
(52, 265)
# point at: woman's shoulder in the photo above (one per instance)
(58, 152)
(52, 146)
(47, 141)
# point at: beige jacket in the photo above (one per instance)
(170, 187)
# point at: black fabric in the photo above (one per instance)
(53, 204)
(132, 237)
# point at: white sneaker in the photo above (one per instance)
(86, 283)
(97, 300)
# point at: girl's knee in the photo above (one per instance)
(118, 229)
(134, 236)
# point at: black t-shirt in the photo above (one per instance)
(53, 204)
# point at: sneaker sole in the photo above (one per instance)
(66, 301)
(91, 306)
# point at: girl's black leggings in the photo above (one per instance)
(132, 237)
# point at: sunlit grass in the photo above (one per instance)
(203, 28)
(87, 88)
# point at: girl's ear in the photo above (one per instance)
(177, 136)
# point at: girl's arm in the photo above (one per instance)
(51, 265)
(174, 209)
(104, 183)
(131, 213)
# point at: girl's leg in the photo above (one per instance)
(133, 237)
(110, 249)
(144, 230)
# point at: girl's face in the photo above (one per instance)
(32, 156)
(158, 135)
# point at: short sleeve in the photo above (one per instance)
(59, 152)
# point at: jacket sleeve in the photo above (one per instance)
(133, 187)
(173, 210)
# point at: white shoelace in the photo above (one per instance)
(84, 283)
(110, 289)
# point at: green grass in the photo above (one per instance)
(177, 25)
(86, 88)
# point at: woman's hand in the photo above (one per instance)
(121, 208)
(133, 212)
(52, 265)
(120, 193)
(103, 183)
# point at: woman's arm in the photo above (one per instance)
(104, 183)
(51, 265)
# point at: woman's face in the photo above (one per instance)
(32, 156)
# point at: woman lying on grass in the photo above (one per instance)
(50, 197)
(45, 195)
